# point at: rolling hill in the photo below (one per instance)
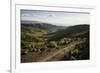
(72, 31)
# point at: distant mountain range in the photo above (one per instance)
(30, 22)
(41, 25)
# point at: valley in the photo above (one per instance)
(41, 42)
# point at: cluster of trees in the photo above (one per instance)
(80, 52)
(37, 46)
(40, 45)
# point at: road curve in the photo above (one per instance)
(61, 52)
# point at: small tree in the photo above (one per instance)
(62, 42)
(52, 44)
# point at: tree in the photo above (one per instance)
(52, 44)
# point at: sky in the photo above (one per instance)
(56, 18)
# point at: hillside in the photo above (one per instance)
(72, 31)
(40, 43)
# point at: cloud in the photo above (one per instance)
(62, 18)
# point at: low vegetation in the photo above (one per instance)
(36, 43)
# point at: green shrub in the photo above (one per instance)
(52, 44)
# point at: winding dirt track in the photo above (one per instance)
(56, 55)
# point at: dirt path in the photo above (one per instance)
(59, 53)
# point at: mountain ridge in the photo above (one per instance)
(69, 32)
(41, 25)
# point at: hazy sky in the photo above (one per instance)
(58, 18)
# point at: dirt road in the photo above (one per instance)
(61, 52)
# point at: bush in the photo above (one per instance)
(24, 45)
(60, 42)
(52, 44)
(63, 42)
